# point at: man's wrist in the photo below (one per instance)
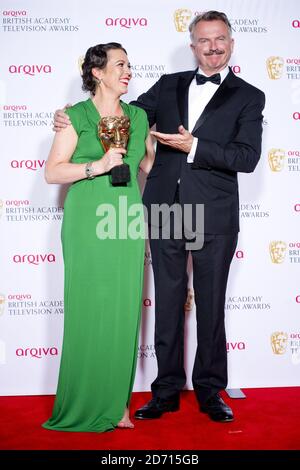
(191, 155)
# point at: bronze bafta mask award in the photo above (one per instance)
(113, 132)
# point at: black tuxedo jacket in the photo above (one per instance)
(229, 132)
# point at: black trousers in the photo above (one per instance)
(210, 273)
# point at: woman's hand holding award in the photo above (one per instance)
(113, 132)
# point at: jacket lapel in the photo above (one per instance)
(227, 88)
(183, 97)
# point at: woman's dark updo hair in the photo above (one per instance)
(96, 56)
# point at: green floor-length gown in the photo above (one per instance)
(103, 285)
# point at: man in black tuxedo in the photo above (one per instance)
(209, 128)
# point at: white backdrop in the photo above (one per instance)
(40, 44)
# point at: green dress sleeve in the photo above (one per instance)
(75, 116)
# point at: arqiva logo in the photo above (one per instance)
(38, 353)
(30, 69)
(14, 13)
(28, 164)
(126, 22)
(297, 207)
(14, 107)
(34, 259)
(240, 346)
(236, 68)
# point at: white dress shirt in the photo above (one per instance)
(199, 96)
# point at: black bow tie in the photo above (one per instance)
(201, 79)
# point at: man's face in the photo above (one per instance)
(212, 45)
(114, 132)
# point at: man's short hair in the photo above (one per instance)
(211, 15)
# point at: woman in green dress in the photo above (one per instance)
(103, 256)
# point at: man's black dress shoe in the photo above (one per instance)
(217, 409)
(156, 407)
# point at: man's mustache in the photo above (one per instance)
(214, 51)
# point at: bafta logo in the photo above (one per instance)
(276, 159)
(275, 67)
(189, 303)
(182, 18)
(277, 251)
(279, 341)
(2, 304)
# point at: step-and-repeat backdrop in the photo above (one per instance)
(41, 46)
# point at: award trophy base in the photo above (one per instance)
(120, 175)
